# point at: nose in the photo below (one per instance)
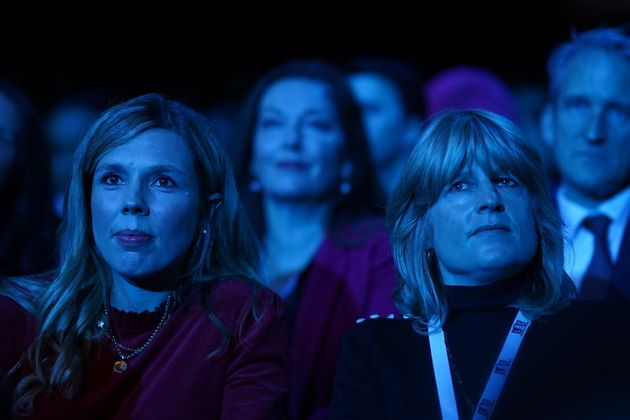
(134, 203)
(489, 199)
(293, 136)
(595, 128)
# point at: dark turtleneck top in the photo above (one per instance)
(573, 364)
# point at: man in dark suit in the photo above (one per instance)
(587, 124)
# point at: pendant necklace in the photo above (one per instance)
(125, 353)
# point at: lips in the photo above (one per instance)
(288, 164)
(592, 154)
(495, 227)
(133, 238)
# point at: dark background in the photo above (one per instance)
(213, 52)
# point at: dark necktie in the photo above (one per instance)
(596, 281)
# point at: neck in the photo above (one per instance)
(584, 200)
(128, 296)
(473, 279)
(293, 233)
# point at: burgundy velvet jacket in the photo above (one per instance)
(173, 377)
(351, 276)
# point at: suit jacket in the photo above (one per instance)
(620, 277)
(620, 280)
(344, 282)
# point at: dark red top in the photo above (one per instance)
(172, 378)
(351, 276)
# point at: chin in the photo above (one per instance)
(502, 264)
(296, 194)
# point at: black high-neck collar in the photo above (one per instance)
(488, 297)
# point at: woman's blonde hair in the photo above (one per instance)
(450, 142)
(68, 310)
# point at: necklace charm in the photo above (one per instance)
(120, 366)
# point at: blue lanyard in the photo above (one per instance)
(498, 376)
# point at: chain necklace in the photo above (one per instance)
(462, 388)
(125, 353)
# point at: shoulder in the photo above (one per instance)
(26, 290)
(236, 296)
(10, 309)
(594, 321)
(598, 309)
(385, 327)
(387, 342)
(597, 312)
(239, 289)
(17, 325)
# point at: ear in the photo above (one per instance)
(547, 123)
(346, 170)
(253, 168)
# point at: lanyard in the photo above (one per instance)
(498, 376)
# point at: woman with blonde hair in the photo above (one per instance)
(156, 310)
(490, 325)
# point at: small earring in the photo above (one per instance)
(205, 231)
(345, 187)
(254, 186)
(345, 173)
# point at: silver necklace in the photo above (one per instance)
(125, 353)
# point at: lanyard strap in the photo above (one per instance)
(442, 371)
(498, 376)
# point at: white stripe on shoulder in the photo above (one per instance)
(375, 316)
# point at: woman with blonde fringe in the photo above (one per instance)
(490, 327)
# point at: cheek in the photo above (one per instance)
(262, 154)
(445, 229)
(178, 220)
(327, 153)
(445, 237)
(621, 144)
(102, 209)
(528, 234)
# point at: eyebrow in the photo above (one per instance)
(116, 167)
(308, 113)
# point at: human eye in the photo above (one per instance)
(506, 181)
(111, 179)
(320, 124)
(459, 185)
(577, 105)
(164, 181)
(269, 122)
(617, 114)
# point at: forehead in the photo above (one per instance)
(373, 86)
(297, 95)
(150, 148)
(597, 74)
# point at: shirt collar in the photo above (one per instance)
(617, 208)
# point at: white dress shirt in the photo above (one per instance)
(579, 241)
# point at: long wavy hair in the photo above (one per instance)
(365, 193)
(449, 142)
(70, 307)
